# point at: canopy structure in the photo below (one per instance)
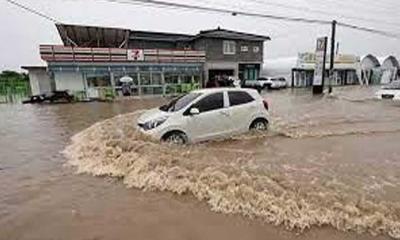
(390, 62)
(390, 69)
(369, 62)
(370, 70)
(89, 36)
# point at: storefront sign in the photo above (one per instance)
(135, 55)
(306, 58)
(346, 59)
(309, 58)
(320, 59)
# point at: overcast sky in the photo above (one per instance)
(21, 32)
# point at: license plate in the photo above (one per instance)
(387, 96)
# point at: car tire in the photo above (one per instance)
(175, 137)
(259, 125)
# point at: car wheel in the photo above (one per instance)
(176, 138)
(259, 125)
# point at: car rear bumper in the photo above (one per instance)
(388, 97)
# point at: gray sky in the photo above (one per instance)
(21, 32)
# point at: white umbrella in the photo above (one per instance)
(126, 79)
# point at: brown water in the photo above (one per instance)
(327, 169)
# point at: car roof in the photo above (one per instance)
(215, 90)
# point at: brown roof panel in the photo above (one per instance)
(91, 36)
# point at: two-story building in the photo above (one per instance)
(94, 58)
(231, 53)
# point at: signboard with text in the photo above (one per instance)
(320, 59)
(135, 55)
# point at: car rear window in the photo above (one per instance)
(239, 98)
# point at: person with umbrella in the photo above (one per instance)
(126, 85)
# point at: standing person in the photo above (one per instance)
(231, 82)
(126, 89)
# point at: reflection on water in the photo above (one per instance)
(326, 160)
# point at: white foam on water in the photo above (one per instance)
(227, 180)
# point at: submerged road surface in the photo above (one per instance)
(329, 168)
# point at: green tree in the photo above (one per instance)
(13, 76)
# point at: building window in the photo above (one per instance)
(244, 48)
(229, 47)
(156, 79)
(196, 79)
(186, 79)
(98, 80)
(152, 90)
(145, 78)
(171, 78)
(256, 49)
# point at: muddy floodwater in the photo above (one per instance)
(328, 168)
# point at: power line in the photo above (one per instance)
(368, 6)
(225, 11)
(370, 30)
(31, 10)
(218, 10)
(310, 10)
(216, 4)
(164, 4)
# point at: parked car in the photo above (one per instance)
(282, 82)
(390, 91)
(267, 82)
(206, 114)
(52, 97)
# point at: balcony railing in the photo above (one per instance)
(59, 53)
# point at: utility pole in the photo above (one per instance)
(332, 63)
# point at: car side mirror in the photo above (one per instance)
(194, 111)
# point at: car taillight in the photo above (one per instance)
(266, 105)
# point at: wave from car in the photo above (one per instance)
(206, 114)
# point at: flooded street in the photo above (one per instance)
(329, 168)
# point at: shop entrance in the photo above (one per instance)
(249, 71)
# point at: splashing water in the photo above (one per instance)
(233, 180)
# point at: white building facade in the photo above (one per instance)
(346, 70)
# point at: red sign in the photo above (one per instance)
(135, 55)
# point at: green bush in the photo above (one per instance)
(14, 85)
